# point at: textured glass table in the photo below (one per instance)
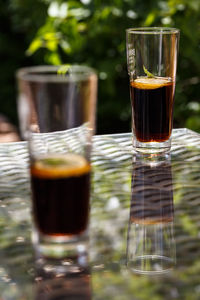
(127, 193)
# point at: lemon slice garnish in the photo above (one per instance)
(146, 83)
(60, 165)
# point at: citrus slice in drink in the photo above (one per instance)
(145, 83)
(60, 165)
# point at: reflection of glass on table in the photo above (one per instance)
(150, 245)
(60, 279)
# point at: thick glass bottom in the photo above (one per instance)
(59, 246)
(152, 147)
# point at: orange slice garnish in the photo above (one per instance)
(59, 166)
(146, 83)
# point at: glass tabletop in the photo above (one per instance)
(139, 207)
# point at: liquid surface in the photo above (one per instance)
(152, 108)
(60, 188)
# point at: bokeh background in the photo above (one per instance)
(92, 32)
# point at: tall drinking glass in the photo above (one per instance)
(57, 117)
(152, 62)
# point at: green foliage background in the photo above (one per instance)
(93, 33)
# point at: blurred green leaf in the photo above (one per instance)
(193, 122)
(34, 46)
(150, 19)
(53, 58)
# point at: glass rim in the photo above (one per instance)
(49, 73)
(152, 30)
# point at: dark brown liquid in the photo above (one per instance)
(152, 108)
(60, 202)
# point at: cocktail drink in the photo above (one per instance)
(153, 99)
(152, 61)
(57, 117)
(61, 190)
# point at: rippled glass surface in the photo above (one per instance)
(144, 228)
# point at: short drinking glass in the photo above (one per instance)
(57, 117)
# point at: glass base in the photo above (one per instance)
(59, 246)
(151, 264)
(152, 147)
